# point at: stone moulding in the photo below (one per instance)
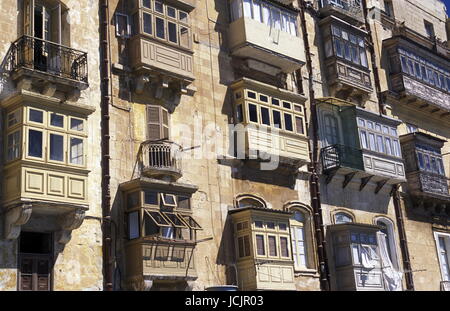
(15, 217)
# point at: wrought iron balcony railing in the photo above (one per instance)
(160, 158)
(352, 6)
(49, 57)
(337, 156)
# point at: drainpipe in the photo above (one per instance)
(105, 101)
(313, 154)
(395, 188)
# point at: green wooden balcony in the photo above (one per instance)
(341, 156)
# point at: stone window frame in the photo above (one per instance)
(342, 211)
(390, 226)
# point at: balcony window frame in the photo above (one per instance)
(49, 148)
(378, 131)
(238, 11)
(15, 147)
(255, 100)
(430, 153)
(69, 150)
(177, 20)
(342, 36)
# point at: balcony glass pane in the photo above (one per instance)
(266, 15)
(56, 147)
(150, 197)
(248, 8)
(260, 245)
(147, 23)
(265, 116)
(171, 12)
(364, 140)
(159, 7)
(276, 118)
(56, 120)
(147, 4)
(257, 11)
(36, 116)
(184, 37)
(35, 143)
(76, 151)
(236, 10)
(159, 25)
(372, 144)
(276, 18)
(253, 113)
(133, 225)
(172, 30)
(288, 126)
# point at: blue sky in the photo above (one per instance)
(447, 2)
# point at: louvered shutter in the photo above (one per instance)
(157, 122)
(28, 17)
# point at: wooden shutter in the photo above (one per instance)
(28, 18)
(157, 122)
(35, 272)
(299, 125)
(55, 25)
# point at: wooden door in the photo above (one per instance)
(35, 272)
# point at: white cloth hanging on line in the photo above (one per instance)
(392, 277)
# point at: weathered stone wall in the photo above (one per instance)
(79, 265)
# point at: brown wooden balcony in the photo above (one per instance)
(43, 62)
(160, 159)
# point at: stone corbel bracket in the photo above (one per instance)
(69, 222)
(16, 217)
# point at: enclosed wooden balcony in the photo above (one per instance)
(348, 10)
(47, 65)
(366, 145)
(425, 172)
(273, 41)
(160, 159)
(270, 124)
(418, 77)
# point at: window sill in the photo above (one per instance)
(307, 272)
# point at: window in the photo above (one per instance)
(430, 159)
(298, 238)
(56, 120)
(76, 151)
(56, 147)
(245, 201)
(349, 46)
(429, 29)
(380, 138)
(168, 200)
(150, 197)
(266, 13)
(388, 8)
(14, 118)
(260, 245)
(253, 113)
(35, 143)
(133, 225)
(166, 23)
(13, 146)
(421, 68)
(342, 218)
(284, 247)
(272, 241)
(122, 25)
(331, 130)
(388, 233)
(36, 115)
(244, 246)
(443, 248)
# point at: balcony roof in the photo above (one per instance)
(424, 137)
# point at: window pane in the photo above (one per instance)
(276, 18)
(388, 146)
(263, 98)
(184, 17)
(284, 247)
(299, 125)
(172, 29)
(35, 143)
(288, 126)
(372, 145)
(236, 10)
(265, 116)
(272, 246)
(276, 119)
(260, 247)
(36, 116)
(293, 26)
(266, 15)
(171, 12)
(239, 113)
(13, 146)
(184, 37)
(247, 245)
(133, 225)
(148, 23)
(76, 151)
(421, 161)
(253, 113)
(257, 11)
(270, 225)
(364, 139)
(150, 197)
(159, 7)
(56, 147)
(248, 8)
(160, 32)
(57, 120)
(338, 47)
(147, 4)
(380, 145)
(184, 202)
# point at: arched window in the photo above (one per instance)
(250, 201)
(302, 237)
(387, 227)
(342, 218)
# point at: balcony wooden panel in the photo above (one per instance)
(251, 39)
(349, 11)
(151, 55)
(348, 75)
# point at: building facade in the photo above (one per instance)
(260, 144)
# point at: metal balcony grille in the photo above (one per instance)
(433, 183)
(52, 58)
(162, 155)
(337, 156)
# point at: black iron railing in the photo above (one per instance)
(45, 56)
(336, 156)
